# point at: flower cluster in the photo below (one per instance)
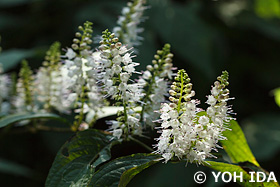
(218, 110)
(116, 68)
(50, 82)
(5, 89)
(24, 99)
(127, 30)
(72, 81)
(155, 82)
(186, 132)
(4, 94)
(81, 64)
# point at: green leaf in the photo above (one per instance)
(243, 168)
(8, 20)
(225, 167)
(77, 159)
(277, 96)
(263, 134)
(7, 120)
(236, 145)
(132, 172)
(11, 58)
(182, 25)
(267, 8)
(11, 3)
(9, 167)
(112, 173)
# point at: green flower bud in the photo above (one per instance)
(157, 57)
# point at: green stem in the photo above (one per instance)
(56, 129)
(181, 94)
(141, 143)
(81, 115)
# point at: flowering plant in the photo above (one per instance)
(94, 83)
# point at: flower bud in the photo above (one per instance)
(75, 40)
(77, 34)
(157, 57)
(75, 46)
(115, 40)
(118, 44)
(150, 68)
(172, 92)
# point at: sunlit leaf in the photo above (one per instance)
(267, 8)
(277, 96)
(224, 167)
(236, 145)
(239, 170)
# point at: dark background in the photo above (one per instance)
(240, 36)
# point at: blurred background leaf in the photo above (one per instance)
(241, 36)
(277, 96)
(267, 8)
(11, 58)
(9, 167)
(263, 134)
(10, 3)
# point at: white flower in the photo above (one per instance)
(184, 133)
(128, 23)
(147, 75)
(70, 54)
(211, 100)
(5, 88)
(117, 133)
(165, 116)
(116, 69)
(155, 79)
(52, 89)
(124, 77)
(204, 120)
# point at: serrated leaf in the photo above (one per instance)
(236, 145)
(7, 120)
(111, 173)
(76, 161)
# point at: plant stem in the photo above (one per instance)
(56, 129)
(181, 93)
(141, 143)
